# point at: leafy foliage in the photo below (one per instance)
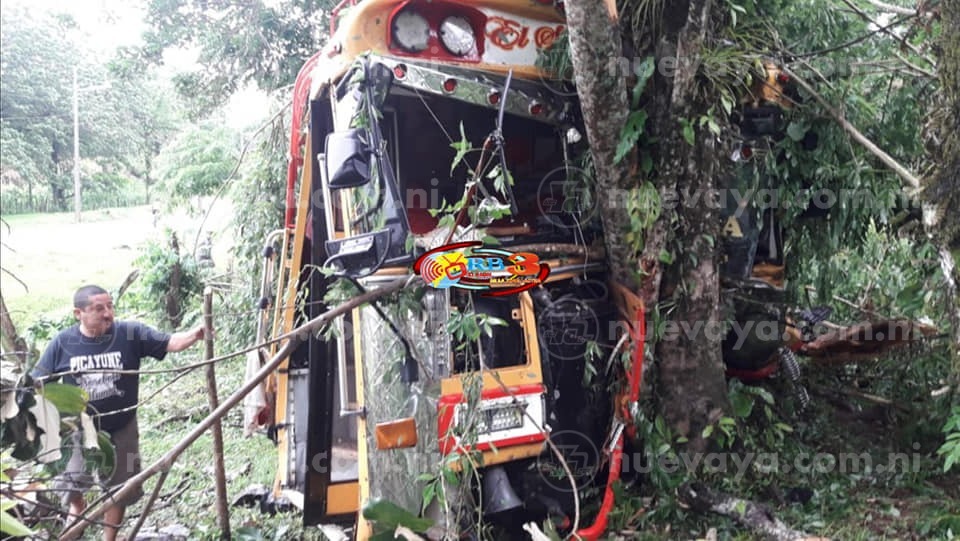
(257, 42)
(35, 104)
(950, 450)
(196, 163)
(33, 426)
(170, 282)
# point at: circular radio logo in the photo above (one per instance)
(580, 455)
(564, 198)
(565, 327)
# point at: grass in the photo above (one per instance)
(52, 256)
(48, 256)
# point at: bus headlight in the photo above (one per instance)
(457, 36)
(411, 31)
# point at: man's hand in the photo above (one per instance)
(180, 341)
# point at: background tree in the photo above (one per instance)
(121, 126)
(196, 163)
(35, 106)
(942, 189)
(264, 43)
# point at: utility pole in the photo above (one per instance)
(76, 148)
(76, 141)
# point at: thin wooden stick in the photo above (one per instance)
(223, 512)
(146, 508)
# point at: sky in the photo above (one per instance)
(110, 23)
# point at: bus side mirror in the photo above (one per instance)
(348, 158)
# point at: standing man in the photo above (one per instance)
(88, 354)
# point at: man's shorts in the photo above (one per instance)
(75, 481)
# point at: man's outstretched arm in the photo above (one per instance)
(180, 341)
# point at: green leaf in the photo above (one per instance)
(69, 399)
(643, 72)
(783, 427)
(429, 493)
(632, 130)
(687, 132)
(796, 131)
(450, 476)
(740, 507)
(713, 126)
(707, 431)
(10, 525)
(388, 514)
(646, 162)
(462, 147)
(727, 104)
(742, 404)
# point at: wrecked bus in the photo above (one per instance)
(427, 144)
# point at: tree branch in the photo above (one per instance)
(891, 8)
(15, 277)
(752, 515)
(857, 40)
(916, 68)
(908, 177)
(11, 341)
(904, 42)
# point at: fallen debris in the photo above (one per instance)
(755, 516)
(865, 341)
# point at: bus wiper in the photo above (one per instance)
(501, 151)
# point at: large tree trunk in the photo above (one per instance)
(594, 48)
(691, 374)
(691, 369)
(942, 188)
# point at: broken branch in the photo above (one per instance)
(891, 8)
(887, 160)
(755, 516)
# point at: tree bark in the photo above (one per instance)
(690, 365)
(594, 49)
(223, 512)
(12, 342)
(941, 190)
(691, 369)
(173, 300)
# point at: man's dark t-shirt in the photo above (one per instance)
(120, 348)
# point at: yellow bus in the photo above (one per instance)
(428, 145)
